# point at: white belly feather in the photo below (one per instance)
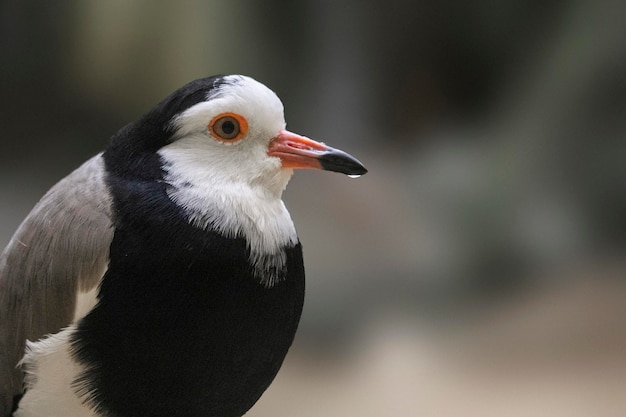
(50, 372)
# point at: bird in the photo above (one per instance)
(164, 276)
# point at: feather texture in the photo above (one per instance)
(38, 291)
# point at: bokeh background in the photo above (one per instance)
(477, 269)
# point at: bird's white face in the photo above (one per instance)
(223, 142)
(219, 171)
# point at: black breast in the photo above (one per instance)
(182, 328)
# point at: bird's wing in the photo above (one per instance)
(60, 250)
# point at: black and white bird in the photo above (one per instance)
(164, 276)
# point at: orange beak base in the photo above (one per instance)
(299, 152)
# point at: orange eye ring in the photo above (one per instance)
(228, 127)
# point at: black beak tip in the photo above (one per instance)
(339, 161)
(358, 170)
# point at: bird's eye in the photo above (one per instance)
(228, 127)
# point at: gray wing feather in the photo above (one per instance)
(61, 248)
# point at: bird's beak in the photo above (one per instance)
(296, 151)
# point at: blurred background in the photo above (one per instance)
(478, 269)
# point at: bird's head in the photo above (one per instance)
(217, 148)
(229, 131)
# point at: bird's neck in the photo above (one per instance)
(238, 210)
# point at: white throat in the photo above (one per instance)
(234, 209)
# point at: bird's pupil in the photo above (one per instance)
(228, 127)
